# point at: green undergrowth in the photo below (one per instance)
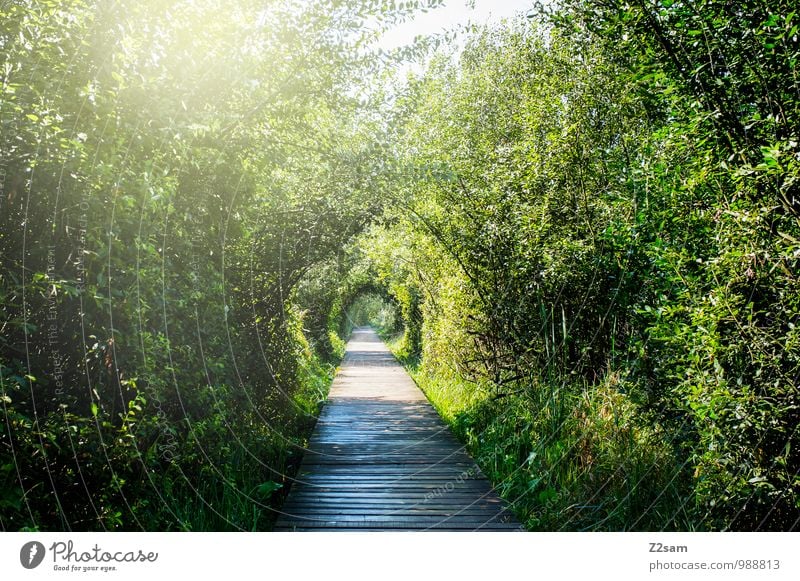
(565, 457)
(402, 349)
(224, 465)
(314, 374)
(263, 460)
(248, 479)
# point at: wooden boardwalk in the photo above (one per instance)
(380, 458)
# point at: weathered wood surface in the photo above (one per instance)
(380, 458)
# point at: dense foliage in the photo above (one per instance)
(603, 215)
(582, 232)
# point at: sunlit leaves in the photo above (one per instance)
(169, 172)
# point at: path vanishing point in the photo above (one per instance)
(380, 458)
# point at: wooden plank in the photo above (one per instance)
(333, 525)
(380, 458)
(438, 510)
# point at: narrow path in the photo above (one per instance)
(380, 458)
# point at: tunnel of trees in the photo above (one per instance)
(580, 232)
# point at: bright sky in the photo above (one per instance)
(453, 13)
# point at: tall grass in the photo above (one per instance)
(247, 479)
(565, 456)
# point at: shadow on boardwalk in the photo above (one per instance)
(380, 458)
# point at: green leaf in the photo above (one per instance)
(268, 488)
